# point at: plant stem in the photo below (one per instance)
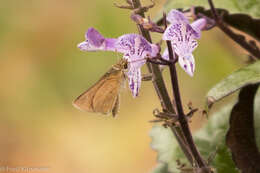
(158, 81)
(182, 117)
(237, 38)
(161, 90)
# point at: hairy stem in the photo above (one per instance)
(161, 90)
(237, 38)
(182, 117)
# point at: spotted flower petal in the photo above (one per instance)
(136, 46)
(183, 38)
(180, 32)
(134, 80)
(136, 49)
(134, 62)
(187, 63)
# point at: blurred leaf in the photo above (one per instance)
(250, 7)
(238, 17)
(238, 79)
(241, 136)
(209, 139)
(163, 141)
(242, 22)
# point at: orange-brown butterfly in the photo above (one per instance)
(103, 96)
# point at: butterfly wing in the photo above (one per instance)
(106, 98)
(116, 106)
(84, 101)
(103, 95)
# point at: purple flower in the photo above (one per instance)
(96, 42)
(135, 48)
(183, 38)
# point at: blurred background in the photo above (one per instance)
(42, 72)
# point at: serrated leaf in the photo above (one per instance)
(238, 79)
(209, 139)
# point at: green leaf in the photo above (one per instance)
(238, 79)
(250, 7)
(208, 139)
(240, 14)
(165, 144)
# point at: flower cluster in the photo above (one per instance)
(136, 49)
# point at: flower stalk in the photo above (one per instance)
(183, 134)
(161, 90)
(182, 117)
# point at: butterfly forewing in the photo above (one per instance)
(106, 97)
(103, 96)
(84, 101)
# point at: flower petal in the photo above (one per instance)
(95, 42)
(136, 46)
(175, 16)
(182, 37)
(198, 25)
(134, 80)
(134, 62)
(165, 54)
(180, 32)
(110, 44)
(187, 63)
(94, 37)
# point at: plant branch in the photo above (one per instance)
(160, 88)
(182, 117)
(239, 39)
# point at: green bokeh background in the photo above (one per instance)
(42, 72)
